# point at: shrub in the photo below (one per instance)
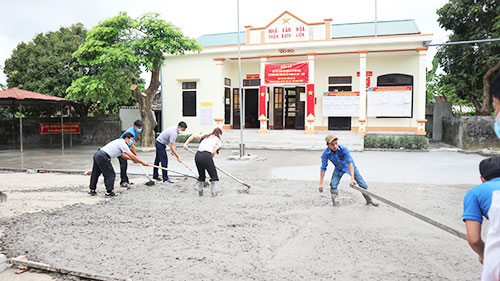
(396, 142)
(183, 138)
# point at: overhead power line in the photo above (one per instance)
(463, 42)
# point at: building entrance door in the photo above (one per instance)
(251, 108)
(278, 108)
(227, 106)
(300, 110)
(290, 107)
(236, 108)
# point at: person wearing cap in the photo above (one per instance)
(102, 163)
(167, 137)
(134, 130)
(491, 257)
(341, 158)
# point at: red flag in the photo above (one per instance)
(310, 99)
(262, 101)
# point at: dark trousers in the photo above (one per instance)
(123, 169)
(204, 161)
(161, 156)
(102, 165)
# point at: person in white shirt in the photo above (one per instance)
(209, 146)
(102, 163)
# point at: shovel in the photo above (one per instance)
(173, 171)
(185, 165)
(150, 182)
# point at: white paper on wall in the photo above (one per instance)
(340, 104)
(389, 101)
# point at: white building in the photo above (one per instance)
(302, 76)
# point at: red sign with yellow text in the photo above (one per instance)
(55, 128)
(286, 73)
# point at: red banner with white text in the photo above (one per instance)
(262, 101)
(310, 100)
(55, 128)
(286, 73)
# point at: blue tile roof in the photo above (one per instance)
(361, 29)
(222, 39)
(344, 30)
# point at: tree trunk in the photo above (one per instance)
(486, 106)
(145, 100)
(82, 109)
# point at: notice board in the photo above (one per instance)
(340, 104)
(389, 101)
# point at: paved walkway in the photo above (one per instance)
(435, 167)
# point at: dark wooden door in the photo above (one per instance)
(251, 108)
(290, 106)
(236, 108)
(300, 110)
(227, 106)
(339, 123)
(278, 108)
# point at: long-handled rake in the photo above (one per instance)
(228, 174)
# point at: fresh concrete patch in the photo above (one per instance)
(282, 229)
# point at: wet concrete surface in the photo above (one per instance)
(282, 230)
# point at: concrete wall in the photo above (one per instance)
(94, 130)
(128, 117)
(440, 110)
(470, 132)
(429, 115)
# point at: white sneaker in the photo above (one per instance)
(170, 181)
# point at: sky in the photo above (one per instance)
(21, 20)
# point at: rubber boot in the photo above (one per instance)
(213, 188)
(334, 197)
(369, 200)
(200, 188)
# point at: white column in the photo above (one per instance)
(310, 59)
(219, 92)
(420, 99)
(310, 119)
(263, 61)
(362, 93)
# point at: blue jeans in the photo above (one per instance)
(161, 156)
(336, 179)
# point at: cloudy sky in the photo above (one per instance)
(21, 20)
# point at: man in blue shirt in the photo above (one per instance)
(167, 137)
(341, 158)
(134, 130)
(477, 202)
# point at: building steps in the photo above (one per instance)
(289, 139)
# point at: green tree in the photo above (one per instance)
(45, 65)
(119, 47)
(469, 67)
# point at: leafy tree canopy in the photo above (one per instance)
(469, 67)
(45, 65)
(117, 49)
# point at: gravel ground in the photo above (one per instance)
(281, 230)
